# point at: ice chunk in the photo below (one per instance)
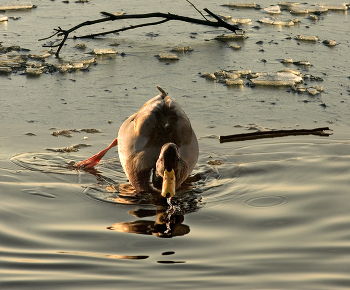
(236, 82)
(299, 10)
(241, 20)
(306, 38)
(17, 6)
(104, 51)
(277, 79)
(267, 20)
(167, 56)
(3, 18)
(302, 62)
(33, 71)
(341, 7)
(273, 9)
(288, 5)
(236, 47)
(5, 70)
(209, 76)
(226, 75)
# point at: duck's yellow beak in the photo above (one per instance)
(168, 188)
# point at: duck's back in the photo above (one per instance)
(141, 137)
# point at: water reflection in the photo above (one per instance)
(122, 257)
(157, 227)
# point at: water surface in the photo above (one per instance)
(260, 214)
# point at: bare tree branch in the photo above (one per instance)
(112, 17)
(272, 134)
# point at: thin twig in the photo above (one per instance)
(121, 29)
(197, 10)
(272, 134)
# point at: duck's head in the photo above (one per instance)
(168, 167)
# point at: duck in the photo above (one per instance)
(157, 147)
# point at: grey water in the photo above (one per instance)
(260, 214)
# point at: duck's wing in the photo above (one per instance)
(139, 143)
(180, 132)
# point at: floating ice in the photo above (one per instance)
(281, 78)
(167, 56)
(34, 71)
(341, 7)
(288, 5)
(236, 82)
(236, 47)
(103, 51)
(17, 6)
(5, 70)
(241, 20)
(306, 38)
(3, 18)
(209, 76)
(273, 9)
(267, 20)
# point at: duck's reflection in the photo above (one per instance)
(168, 221)
(165, 224)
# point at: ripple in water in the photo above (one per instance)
(266, 201)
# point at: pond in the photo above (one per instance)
(267, 213)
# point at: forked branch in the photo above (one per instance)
(111, 17)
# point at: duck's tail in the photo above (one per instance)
(164, 93)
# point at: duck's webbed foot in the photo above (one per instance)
(94, 160)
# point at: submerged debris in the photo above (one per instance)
(329, 42)
(230, 37)
(90, 130)
(11, 60)
(68, 133)
(214, 162)
(81, 46)
(73, 148)
(241, 5)
(182, 49)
